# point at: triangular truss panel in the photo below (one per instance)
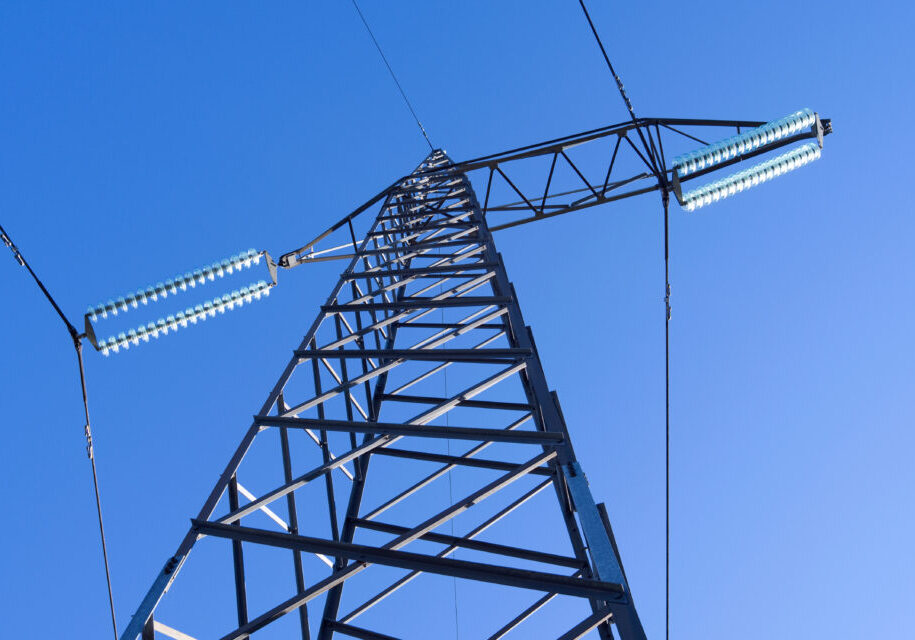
(410, 451)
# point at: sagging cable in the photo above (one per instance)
(87, 428)
(174, 286)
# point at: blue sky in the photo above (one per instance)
(141, 140)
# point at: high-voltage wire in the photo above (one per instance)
(649, 149)
(662, 178)
(393, 76)
(666, 199)
(18, 256)
(619, 81)
(74, 334)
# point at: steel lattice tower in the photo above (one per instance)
(421, 342)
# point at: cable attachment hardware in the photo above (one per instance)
(89, 450)
(13, 248)
(667, 301)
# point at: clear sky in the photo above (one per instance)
(140, 140)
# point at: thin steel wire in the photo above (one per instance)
(393, 76)
(649, 149)
(98, 500)
(666, 198)
(457, 628)
(76, 337)
(659, 173)
(619, 81)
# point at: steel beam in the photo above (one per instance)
(427, 431)
(364, 554)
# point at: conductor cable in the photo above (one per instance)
(77, 344)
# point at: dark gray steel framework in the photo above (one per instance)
(420, 343)
(425, 299)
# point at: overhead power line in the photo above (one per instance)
(393, 76)
(619, 81)
(659, 171)
(647, 144)
(666, 199)
(77, 344)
